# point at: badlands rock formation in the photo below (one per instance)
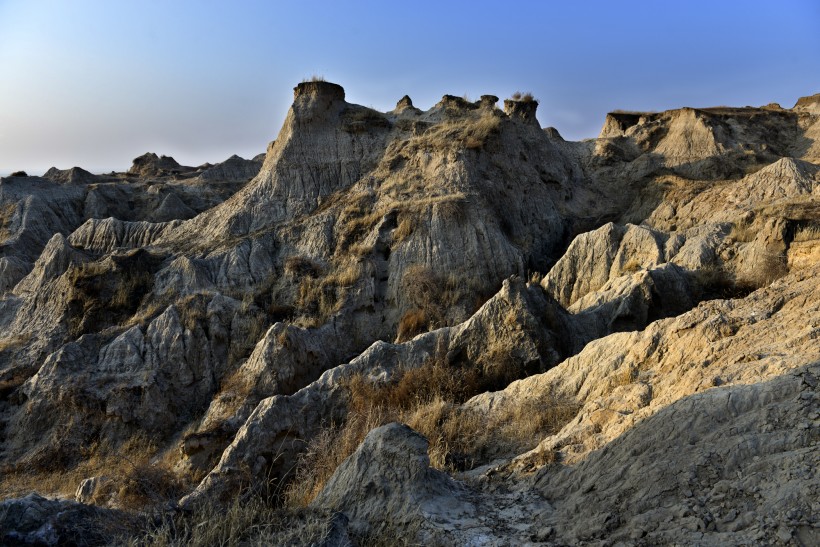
(442, 326)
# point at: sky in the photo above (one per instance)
(95, 83)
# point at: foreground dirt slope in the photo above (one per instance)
(606, 341)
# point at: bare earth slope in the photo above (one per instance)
(599, 342)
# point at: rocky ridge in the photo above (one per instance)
(652, 291)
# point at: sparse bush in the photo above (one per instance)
(299, 266)
(146, 486)
(631, 265)
(6, 214)
(768, 268)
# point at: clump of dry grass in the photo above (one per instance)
(472, 129)
(767, 268)
(411, 324)
(743, 232)
(134, 482)
(623, 377)
(6, 215)
(526, 97)
(109, 291)
(300, 266)
(631, 265)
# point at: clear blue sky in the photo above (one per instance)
(95, 83)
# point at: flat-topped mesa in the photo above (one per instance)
(312, 99)
(810, 104)
(319, 88)
(522, 109)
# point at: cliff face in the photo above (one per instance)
(226, 325)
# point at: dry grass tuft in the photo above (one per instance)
(807, 233)
(632, 265)
(470, 130)
(623, 377)
(6, 215)
(411, 324)
(431, 296)
(134, 483)
(250, 520)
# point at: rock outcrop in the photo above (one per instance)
(643, 306)
(233, 169)
(151, 165)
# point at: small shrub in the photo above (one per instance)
(632, 265)
(427, 398)
(299, 266)
(743, 232)
(148, 486)
(404, 229)
(412, 323)
(19, 174)
(320, 298)
(523, 97)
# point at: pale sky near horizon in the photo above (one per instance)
(95, 83)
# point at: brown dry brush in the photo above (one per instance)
(428, 399)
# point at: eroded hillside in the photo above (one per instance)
(598, 341)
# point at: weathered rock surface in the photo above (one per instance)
(151, 165)
(34, 520)
(734, 465)
(233, 169)
(75, 175)
(393, 459)
(215, 315)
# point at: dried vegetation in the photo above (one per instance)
(428, 399)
